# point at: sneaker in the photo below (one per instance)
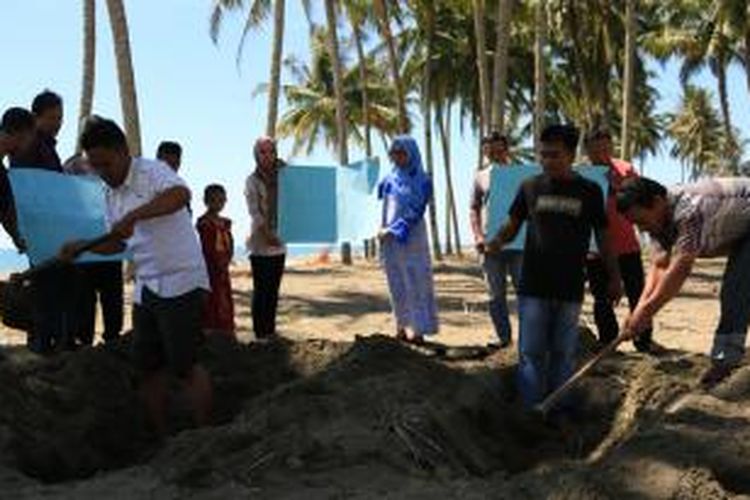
(716, 374)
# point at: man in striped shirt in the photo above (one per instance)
(706, 219)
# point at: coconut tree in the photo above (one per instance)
(500, 79)
(128, 99)
(701, 34)
(697, 133)
(382, 11)
(357, 14)
(540, 72)
(89, 64)
(311, 115)
(627, 92)
(338, 81)
(258, 12)
(482, 66)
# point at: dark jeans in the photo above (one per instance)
(102, 280)
(547, 346)
(729, 339)
(497, 268)
(53, 299)
(631, 271)
(267, 273)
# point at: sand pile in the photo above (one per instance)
(369, 419)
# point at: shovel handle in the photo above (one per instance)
(54, 261)
(561, 391)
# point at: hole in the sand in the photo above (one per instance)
(301, 406)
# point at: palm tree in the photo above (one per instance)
(540, 73)
(700, 32)
(311, 116)
(356, 11)
(382, 9)
(89, 64)
(697, 132)
(482, 67)
(426, 10)
(338, 82)
(500, 81)
(451, 216)
(627, 98)
(119, 23)
(258, 12)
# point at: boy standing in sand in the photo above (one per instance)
(560, 208)
(147, 207)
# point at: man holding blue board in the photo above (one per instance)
(497, 265)
(561, 208)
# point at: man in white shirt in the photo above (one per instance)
(147, 208)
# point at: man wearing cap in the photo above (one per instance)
(497, 265)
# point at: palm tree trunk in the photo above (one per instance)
(427, 112)
(276, 55)
(369, 245)
(731, 146)
(338, 84)
(540, 75)
(363, 82)
(483, 70)
(381, 9)
(500, 83)
(129, 101)
(89, 65)
(444, 121)
(627, 86)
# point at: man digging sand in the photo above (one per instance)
(707, 219)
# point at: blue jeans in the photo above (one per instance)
(497, 267)
(547, 346)
(729, 339)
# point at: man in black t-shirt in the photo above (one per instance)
(561, 208)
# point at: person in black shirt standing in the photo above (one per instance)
(54, 300)
(561, 208)
(16, 133)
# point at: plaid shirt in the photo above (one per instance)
(708, 217)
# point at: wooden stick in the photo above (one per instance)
(561, 391)
(54, 261)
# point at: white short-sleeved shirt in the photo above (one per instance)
(166, 251)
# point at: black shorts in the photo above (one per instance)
(166, 331)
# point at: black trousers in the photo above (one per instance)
(102, 281)
(267, 274)
(631, 271)
(54, 293)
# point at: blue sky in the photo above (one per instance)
(192, 91)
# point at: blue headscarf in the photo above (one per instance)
(410, 187)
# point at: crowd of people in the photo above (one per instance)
(182, 282)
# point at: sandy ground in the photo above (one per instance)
(346, 302)
(336, 409)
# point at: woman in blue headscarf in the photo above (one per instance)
(405, 251)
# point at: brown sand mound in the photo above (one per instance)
(374, 418)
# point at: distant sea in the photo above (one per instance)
(11, 261)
